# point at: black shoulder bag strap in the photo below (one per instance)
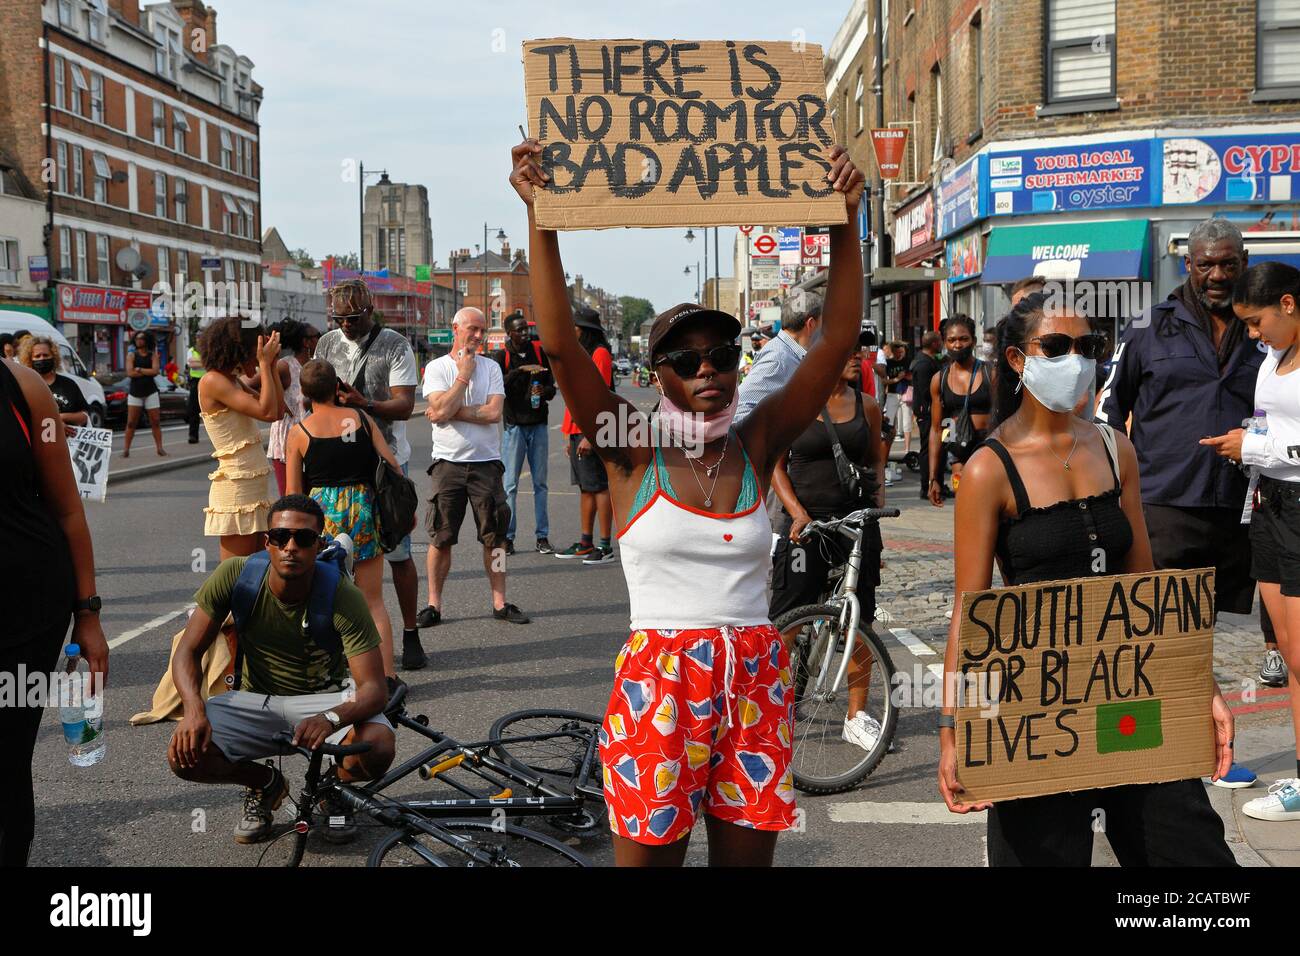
(365, 355)
(845, 470)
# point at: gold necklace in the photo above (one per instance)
(710, 471)
(1066, 462)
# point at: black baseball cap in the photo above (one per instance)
(688, 313)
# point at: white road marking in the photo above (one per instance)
(913, 643)
(148, 626)
(867, 811)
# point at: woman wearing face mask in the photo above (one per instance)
(1267, 299)
(962, 388)
(41, 356)
(699, 719)
(1047, 492)
(142, 392)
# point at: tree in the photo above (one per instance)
(635, 313)
(345, 260)
(302, 258)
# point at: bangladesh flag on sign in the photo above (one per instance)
(1129, 726)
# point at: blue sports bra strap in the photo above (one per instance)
(1013, 474)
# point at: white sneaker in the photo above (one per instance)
(862, 730)
(1282, 803)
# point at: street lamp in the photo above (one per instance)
(687, 271)
(361, 207)
(501, 237)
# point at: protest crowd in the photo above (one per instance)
(1166, 462)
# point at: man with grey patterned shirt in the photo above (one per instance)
(377, 371)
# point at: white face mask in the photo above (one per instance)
(1058, 383)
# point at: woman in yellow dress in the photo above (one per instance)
(239, 500)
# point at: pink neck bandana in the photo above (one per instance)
(693, 430)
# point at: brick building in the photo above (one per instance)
(141, 132)
(1070, 138)
(495, 283)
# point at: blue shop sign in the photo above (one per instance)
(789, 238)
(1090, 176)
(959, 197)
(1231, 169)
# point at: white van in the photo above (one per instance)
(12, 321)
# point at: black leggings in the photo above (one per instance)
(18, 727)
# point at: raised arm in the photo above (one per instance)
(266, 405)
(588, 397)
(780, 418)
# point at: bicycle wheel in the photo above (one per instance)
(824, 761)
(552, 744)
(516, 846)
(284, 848)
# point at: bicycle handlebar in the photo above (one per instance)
(334, 750)
(856, 517)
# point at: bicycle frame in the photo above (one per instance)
(447, 754)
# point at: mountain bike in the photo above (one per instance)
(414, 839)
(835, 655)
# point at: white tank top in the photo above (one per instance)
(688, 568)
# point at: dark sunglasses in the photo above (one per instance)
(1056, 344)
(686, 362)
(302, 537)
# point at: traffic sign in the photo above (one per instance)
(746, 230)
(764, 245)
(441, 336)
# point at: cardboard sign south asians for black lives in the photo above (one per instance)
(671, 133)
(1093, 682)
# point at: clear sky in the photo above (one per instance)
(433, 92)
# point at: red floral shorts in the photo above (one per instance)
(699, 721)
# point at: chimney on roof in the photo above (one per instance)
(201, 19)
(505, 250)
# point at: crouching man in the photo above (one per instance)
(308, 662)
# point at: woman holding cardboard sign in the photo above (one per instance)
(700, 717)
(1050, 497)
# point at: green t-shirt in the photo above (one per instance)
(279, 657)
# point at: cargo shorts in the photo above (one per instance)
(476, 484)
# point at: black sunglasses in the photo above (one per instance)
(302, 537)
(686, 362)
(1056, 344)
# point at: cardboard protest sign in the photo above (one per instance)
(673, 133)
(1093, 682)
(90, 449)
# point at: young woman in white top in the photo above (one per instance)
(699, 719)
(1267, 299)
(299, 340)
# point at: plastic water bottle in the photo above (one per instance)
(535, 395)
(82, 715)
(1257, 424)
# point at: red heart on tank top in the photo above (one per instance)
(726, 537)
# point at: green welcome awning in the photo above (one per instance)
(1074, 250)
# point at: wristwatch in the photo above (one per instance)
(370, 406)
(335, 720)
(91, 604)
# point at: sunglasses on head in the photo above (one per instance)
(686, 362)
(302, 537)
(1056, 344)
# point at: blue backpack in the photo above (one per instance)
(318, 623)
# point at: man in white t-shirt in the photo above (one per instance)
(377, 371)
(466, 394)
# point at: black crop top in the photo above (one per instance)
(336, 462)
(1059, 541)
(981, 400)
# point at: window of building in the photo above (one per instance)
(227, 149)
(977, 57)
(9, 261)
(182, 192)
(496, 285)
(224, 86)
(229, 269)
(859, 104)
(67, 14)
(167, 56)
(65, 252)
(164, 266)
(98, 20)
(81, 255)
(60, 84)
(159, 123)
(239, 154)
(61, 161)
(182, 268)
(103, 271)
(78, 181)
(1080, 54)
(936, 114)
(247, 210)
(229, 216)
(97, 97)
(160, 195)
(180, 126)
(79, 88)
(102, 175)
(462, 286)
(1277, 54)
